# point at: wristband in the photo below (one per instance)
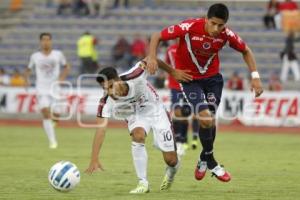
(254, 75)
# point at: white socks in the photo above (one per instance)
(140, 159)
(171, 171)
(49, 129)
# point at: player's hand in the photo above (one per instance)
(256, 86)
(94, 167)
(152, 65)
(182, 75)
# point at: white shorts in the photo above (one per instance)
(161, 127)
(49, 99)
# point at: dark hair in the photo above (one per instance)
(107, 73)
(218, 10)
(45, 34)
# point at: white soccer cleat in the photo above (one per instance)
(140, 189)
(221, 174)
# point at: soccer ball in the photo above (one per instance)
(64, 176)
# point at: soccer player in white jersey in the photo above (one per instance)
(47, 63)
(131, 97)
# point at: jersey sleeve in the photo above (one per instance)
(62, 59)
(31, 62)
(137, 72)
(104, 108)
(235, 41)
(175, 31)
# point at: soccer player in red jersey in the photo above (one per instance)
(200, 41)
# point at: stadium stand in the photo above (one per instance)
(19, 39)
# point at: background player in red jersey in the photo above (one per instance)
(180, 125)
(200, 40)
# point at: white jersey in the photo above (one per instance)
(47, 68)
(142, 98)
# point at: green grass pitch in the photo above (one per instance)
(263, 167)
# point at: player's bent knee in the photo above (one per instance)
(46, 113)
(138, 135)
(172, 163)
(171, 158)
(140, 138)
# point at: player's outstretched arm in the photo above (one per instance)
(256, 84)
(65, 72)
(151, 59)
(95, 164)
(179, 75)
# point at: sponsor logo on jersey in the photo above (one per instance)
(171, 29)
(218, 40)
(197, 38)
(206, 45)
(185, 26)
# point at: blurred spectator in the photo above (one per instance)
(17, 79)
(162, 49)
(102, 7)
(93, 7)
(80, 7)
(121, 53)
(274, 83)
(272, 10)
(4, 78)
(86, 51)
(138, 48)
(287, 5)
(235, 82)
(289, 59)
(116, 3)
(16, 5)
(64, 5)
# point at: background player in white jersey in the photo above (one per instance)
(47, 63)
(132, 98)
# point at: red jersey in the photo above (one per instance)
(170, 59)
(237, 84)
(197, 51)
(288, 6)
(138, 48)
